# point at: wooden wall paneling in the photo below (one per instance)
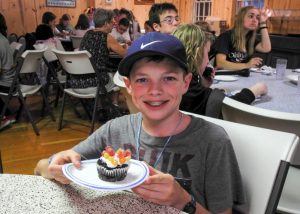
(224, 10)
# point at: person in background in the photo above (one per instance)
(136, 29)
(64, 25)
(90, 14)
(99, 42)
(164, 17)
(124, 13)
(7, 72)
(116, 16)
(148, 26)
(82, 26)
(191, 161)
(201, 99)
(235, 48)
(46, 39)
(49, 18)
(119, 32)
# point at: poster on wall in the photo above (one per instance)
(144, 2)
(61, 3)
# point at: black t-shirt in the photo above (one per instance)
(224, 45)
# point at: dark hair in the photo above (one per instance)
(126, 12)
(116, 11)
(43, 32)
(102, 16)
(124, 22)
(157, 9)
(3, 26)
(48, 17)
(83, 22)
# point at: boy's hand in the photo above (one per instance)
(59, 159)
(163, 189)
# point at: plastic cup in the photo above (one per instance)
(280, 68)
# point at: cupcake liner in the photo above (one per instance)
(111, 174)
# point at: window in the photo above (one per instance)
(202, 9)
(244, 3)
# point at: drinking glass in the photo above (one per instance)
(280, 68)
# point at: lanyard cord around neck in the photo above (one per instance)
(165, 145)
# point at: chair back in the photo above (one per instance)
(31, 61)
(17, 50)
(263, 175)
(76, 62)
(76, 41)
(238, 112)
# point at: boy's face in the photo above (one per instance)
(121, 29)
(157, 88)
(169, 20)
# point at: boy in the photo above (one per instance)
(164, 17)
(190, 149)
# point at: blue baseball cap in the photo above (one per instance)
(154, 44)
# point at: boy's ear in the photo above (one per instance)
(128, 84)
(156, 27)
(187, 79)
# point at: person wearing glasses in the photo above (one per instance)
(164, 17)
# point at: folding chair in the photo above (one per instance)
(17, 50)
(29, 64)
(77, 63)
(76, 41)
(264, 157)
(238, 112)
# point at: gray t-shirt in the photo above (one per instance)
(6, 62)
(202, 152)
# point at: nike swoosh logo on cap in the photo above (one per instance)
(150, 43)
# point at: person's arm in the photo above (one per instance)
(265, 45)
(223, 63)
(247, 96)
(115, 46)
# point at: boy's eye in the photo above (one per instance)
(141, 80)
(169, 78)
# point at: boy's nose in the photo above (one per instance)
(155, 88)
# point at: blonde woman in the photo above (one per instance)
(235, 48)
(200, 98)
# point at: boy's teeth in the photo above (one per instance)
(155, 103)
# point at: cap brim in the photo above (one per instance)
(126, 64)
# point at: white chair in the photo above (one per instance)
(17, 50)
(78, 63)
(76, 41)
(264, 157)
(235, 111)
(31, 60)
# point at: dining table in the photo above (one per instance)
(283, 95)
(35, 194)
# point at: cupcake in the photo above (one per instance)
(113, 166)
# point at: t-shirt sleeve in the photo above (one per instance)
(92, 147)
(222, 44)
(223, 180)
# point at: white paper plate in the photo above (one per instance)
(87, 176)
(255, 70)
(293, 78)
(226, 78)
